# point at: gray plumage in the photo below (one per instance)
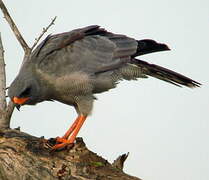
(71, 67)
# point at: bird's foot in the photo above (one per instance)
(68, 139)
(61, 140)
(62, 143)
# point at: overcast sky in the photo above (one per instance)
(165, 128)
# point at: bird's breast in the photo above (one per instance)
(67, 88)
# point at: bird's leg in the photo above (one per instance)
(71, 134)
(77, 128)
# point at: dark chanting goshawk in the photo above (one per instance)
(72, 67)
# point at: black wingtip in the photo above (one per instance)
(147, 46)
(163, 47)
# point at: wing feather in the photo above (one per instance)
(90, 49)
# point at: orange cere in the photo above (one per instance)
(20, 101)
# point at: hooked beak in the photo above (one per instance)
(19, 101)
(17, 106)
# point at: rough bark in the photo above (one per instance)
(25, 157)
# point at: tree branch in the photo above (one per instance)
(2, 78)
(6, 111)
(23, 156)
(43, 32)
(3, 104)
(14, 27)
(9, 111)
(119, 162)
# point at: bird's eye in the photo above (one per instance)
(26, 92)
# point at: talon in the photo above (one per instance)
(70, 135)
(60, 140)
(61, 145)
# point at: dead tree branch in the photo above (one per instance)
(119, 162)
(14, 27)
(2, 78)
(27, 157)
(6, 112)
(3, 104)
(9, 111)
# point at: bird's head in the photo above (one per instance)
(24, 90)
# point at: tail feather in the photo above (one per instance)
(165, 74)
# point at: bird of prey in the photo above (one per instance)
(72, 67)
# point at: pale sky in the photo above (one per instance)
(165, 128)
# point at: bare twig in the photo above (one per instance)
(43, 32)
(27, 55)
(3, 103)
(14, 27)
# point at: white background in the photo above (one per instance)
(165, 128)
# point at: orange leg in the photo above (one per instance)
(68, 133)
(70, 130)
(71, 134)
